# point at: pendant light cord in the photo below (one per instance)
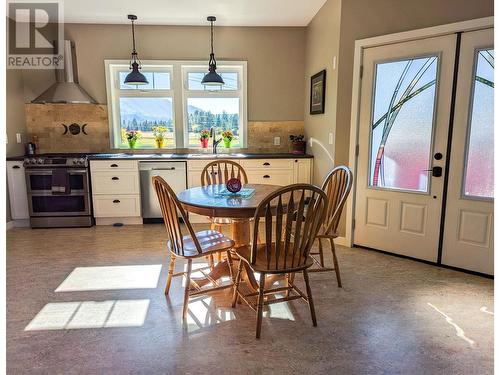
(134, 53)
(212, 36)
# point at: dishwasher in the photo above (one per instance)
(173, 172)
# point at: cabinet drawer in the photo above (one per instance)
(117, 205)
(110, 165)
(267, 164)
(271, 177)
(116, 182)
(198, 165)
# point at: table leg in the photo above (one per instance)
(240, 234)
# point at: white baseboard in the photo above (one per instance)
(342, 241)
(22, 223)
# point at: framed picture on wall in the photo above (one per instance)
(317, 100)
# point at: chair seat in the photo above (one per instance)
(260, 265)
(220, 220)
(210, 241)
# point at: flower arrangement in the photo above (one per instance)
(132, 137)
(298, 144)
(159, 134)
(227, 136)
(204, 135)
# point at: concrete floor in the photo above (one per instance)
(393, 316)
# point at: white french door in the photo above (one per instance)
(468, 228)
(406, 96)
(405, 109)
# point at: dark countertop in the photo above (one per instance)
(199, 156)
(176, 156)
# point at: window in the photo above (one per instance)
(479, 176)
(175, 99)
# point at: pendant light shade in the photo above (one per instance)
(212, 78)
(135, 77)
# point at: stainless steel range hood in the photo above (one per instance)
(66, 89)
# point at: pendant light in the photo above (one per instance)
(212, 78)
(135, 77)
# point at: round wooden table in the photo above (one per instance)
(207, 201)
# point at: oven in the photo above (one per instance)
(48, 208)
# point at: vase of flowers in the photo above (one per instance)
(204, 135)
(227, 136)
(132, 137)
(159, 134)
(298, 144)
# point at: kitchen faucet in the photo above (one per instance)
(215, 143)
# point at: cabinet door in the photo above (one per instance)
(17, 190)
(302, 171)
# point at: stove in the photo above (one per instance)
(56, 160)
(58, 187)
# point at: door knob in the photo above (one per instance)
(436, 171)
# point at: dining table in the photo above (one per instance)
(214, 201)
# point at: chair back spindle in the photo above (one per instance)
(170, 208)
(220, 171)
(337, 186)
(287, 241)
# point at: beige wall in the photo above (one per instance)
(367, 18)
(333, 31)
(275, 58)
(322, 46)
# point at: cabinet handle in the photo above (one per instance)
(116, 201)
(16, 167)
(266, 163)
(296, 160)
(114, 165)
(266, 176)
(114, 178)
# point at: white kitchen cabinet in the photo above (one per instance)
(116, 193)
(302, 171)
(18, 196)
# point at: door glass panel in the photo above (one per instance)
(402, 121)
(478, 180)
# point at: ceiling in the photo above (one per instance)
(194, 12)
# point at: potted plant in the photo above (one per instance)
(132, 137)
(204, 135)
(159, 134)
(227, 136)
(298, 144)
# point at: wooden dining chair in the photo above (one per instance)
(337, 186)
(191, 246)
(285, 253)
(216, 173)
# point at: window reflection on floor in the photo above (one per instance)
(90, 314)
(111, 278)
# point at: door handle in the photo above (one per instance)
(436, 171)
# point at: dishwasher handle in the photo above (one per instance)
(163, 169)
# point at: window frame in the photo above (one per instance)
(178, 93)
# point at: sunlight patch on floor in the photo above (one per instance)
(460, 332)
(90, 314)
(485, 310)
(203, 312)
(111, 278)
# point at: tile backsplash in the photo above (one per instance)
(50, 123)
